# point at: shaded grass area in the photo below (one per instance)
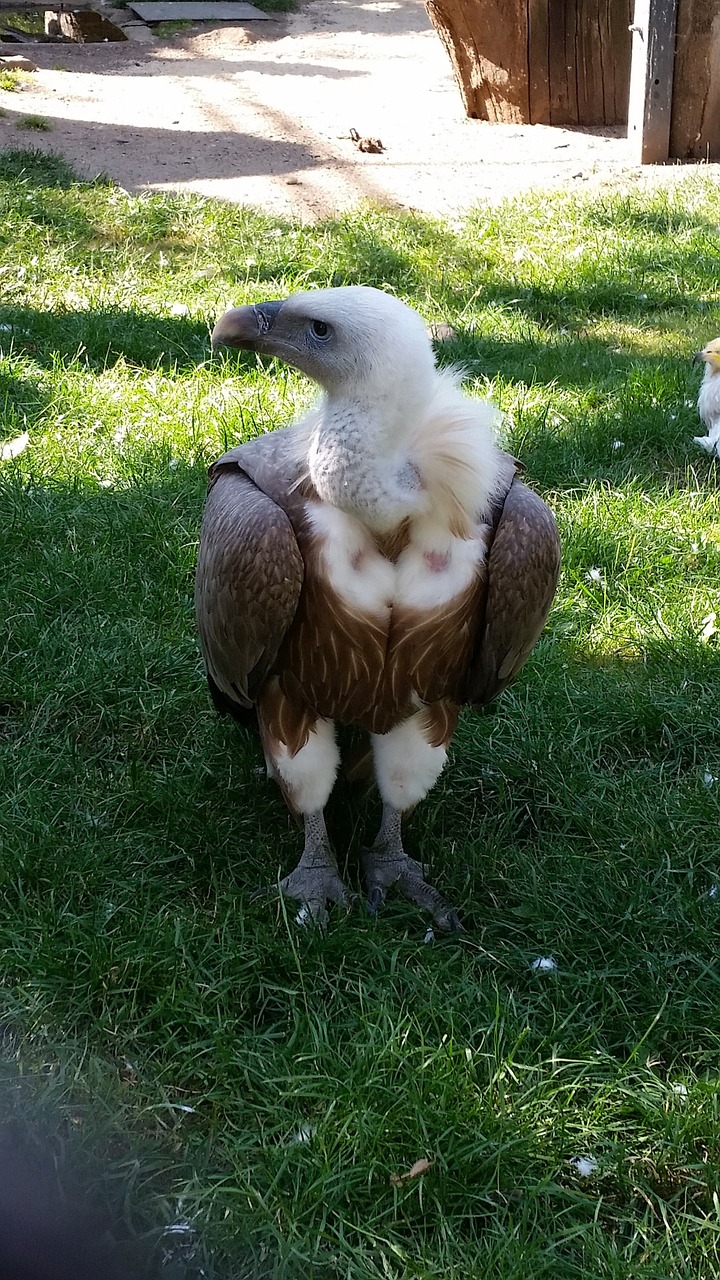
(199, 1061)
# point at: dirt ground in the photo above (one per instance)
(261, 115)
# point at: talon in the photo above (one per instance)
(387, 865)
(376, 899)
(313, 914)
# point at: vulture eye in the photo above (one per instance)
(320, 329)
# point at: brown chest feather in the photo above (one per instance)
(371, 667)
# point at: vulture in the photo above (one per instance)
(709, 398)
(376, 564)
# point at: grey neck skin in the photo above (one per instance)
(359, 462)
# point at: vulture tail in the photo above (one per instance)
(225, 706)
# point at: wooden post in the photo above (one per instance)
(695, 124)
(487, 44)
(651, 80)
(559, 62)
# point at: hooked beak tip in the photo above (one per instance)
(234, 328)
(244, 327)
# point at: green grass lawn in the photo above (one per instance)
(192, 1057)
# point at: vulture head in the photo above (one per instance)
(359, 344)
(710, 357)
(373, 359)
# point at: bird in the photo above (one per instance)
(377, 563)
(366, 144)
(709, 397)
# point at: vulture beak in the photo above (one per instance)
(699, 357)
(245, 327)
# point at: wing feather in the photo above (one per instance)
(523, 570)
(247, 586)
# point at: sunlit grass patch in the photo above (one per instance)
(12, 81)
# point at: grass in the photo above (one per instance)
(279, 6)
(176, 26)
(39, 123)
(13, 81)
(194, 1059)
(19, 19)
(33, 23)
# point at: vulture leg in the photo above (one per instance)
(316, 879)
(303, 758)
(387, 864)
(408, 761)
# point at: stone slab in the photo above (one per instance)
(197, 11)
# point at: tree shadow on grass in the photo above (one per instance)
(38, 169)
(637, 415)
(153, 155)
(631, 428)
(104, 337)
(23, 401)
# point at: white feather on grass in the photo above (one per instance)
(13, 448)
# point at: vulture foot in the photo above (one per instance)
(316, 881)
(387, 865)
(315, 887)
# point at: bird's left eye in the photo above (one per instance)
(320, 329)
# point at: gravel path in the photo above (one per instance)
(262, 116)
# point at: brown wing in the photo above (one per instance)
(523, 569)
(247, 586)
